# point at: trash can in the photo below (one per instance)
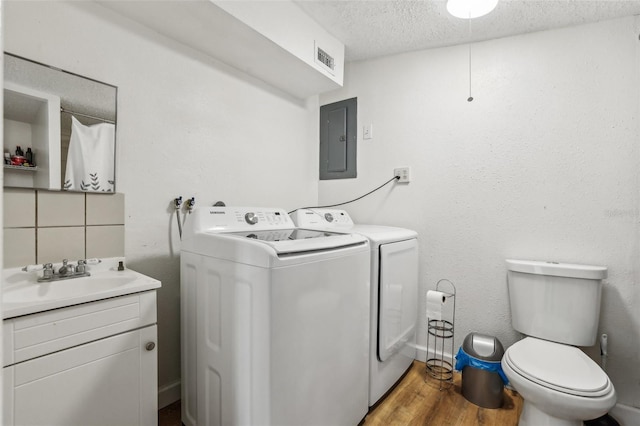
(482, 377)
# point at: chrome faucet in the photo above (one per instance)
(66, 268)
(66, 271)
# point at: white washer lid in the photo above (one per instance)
(561, 367)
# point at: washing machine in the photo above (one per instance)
(274, 321)
(394, 293)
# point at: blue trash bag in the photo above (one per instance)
(463, 359)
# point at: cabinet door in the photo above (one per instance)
(112, 381)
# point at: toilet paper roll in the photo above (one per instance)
(435, 302)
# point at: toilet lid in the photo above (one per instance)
(556, 366)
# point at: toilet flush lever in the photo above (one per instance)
(603, 351)
(603, 344)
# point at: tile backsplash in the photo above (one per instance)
(47, 226)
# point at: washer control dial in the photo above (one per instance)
(251, 218)
(328, 217)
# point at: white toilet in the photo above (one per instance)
(557, 306)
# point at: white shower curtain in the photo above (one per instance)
(90, 161)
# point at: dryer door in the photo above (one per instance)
(398, 296)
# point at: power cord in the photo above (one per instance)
(350, 201)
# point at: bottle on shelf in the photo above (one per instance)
(30, 157)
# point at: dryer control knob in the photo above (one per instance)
(251, 218)
(328, 217)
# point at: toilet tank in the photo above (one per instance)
(555, 301)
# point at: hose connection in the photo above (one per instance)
(191, 202)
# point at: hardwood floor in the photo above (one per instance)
(170, 415)
(415, 401)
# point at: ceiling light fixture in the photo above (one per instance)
(469, 9)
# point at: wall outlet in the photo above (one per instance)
(404, 173)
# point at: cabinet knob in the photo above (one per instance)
(150, 346)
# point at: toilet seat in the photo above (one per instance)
(556, 366)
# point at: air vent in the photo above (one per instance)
(326, 60)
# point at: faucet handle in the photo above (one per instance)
(48, 271)
(33, 268)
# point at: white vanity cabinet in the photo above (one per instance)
(88, 364)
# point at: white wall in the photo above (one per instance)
(186, 126)
(543, 164)
(1, 193)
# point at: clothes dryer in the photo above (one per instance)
(394, 293)
(274, 321)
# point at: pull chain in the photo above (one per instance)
(470, 98)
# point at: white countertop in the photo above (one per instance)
(23, 295)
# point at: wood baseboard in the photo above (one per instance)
(168, 394)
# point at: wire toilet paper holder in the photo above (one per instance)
(440, 333)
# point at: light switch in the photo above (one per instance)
(367, 131)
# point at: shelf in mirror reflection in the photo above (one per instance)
(21, 168)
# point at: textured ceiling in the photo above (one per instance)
(373, 28)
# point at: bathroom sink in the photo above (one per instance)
(22, 294)
(62, 289)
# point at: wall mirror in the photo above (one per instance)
(59, 128)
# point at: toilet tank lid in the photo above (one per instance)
(589, 272)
